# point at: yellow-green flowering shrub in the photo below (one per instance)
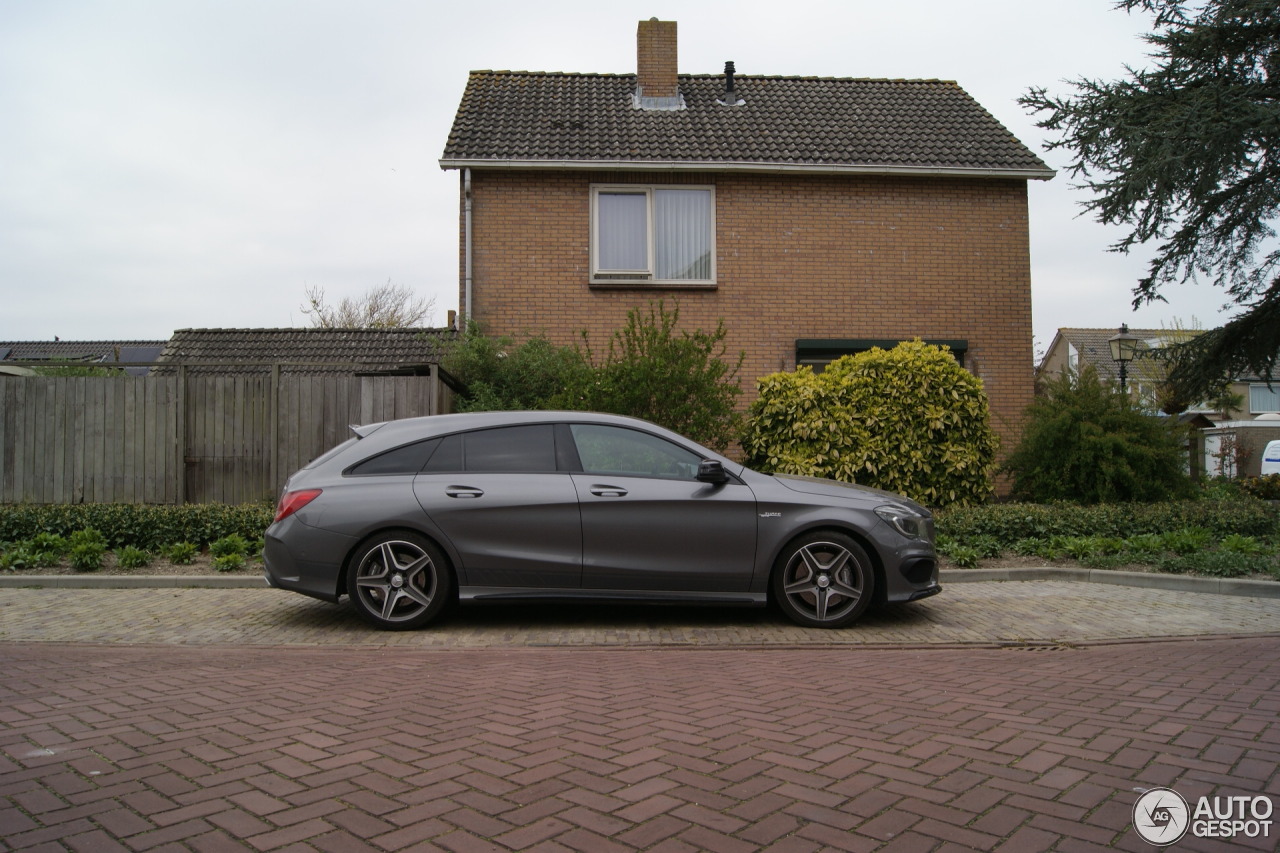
(910, 420)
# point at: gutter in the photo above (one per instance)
(1044, 174)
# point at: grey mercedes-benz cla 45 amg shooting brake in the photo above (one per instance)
(410, 515)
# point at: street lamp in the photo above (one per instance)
(1123, 348)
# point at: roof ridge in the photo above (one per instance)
(719, 75)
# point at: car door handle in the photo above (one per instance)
(608, 492)
(463, 492)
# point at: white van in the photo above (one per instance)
(1271, 458)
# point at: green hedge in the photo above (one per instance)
(146, 526)
(1009, 523)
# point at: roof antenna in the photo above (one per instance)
(730, 98)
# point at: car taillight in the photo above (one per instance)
(291, 502)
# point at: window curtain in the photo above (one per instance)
(623, 238)
(682, 222)
(1263, 399)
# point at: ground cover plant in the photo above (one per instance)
(1238, 537)
(90, 537)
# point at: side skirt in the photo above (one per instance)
(510, 595)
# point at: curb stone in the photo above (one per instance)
(1142, 580)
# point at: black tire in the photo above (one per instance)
(399, 581)
(823, 580)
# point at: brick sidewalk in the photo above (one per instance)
(211, 748)
(970, 613)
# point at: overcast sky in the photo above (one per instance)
(169, 164)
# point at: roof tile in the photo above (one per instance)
(784, 122)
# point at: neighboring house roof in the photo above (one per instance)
(85, 352)
(306, 351)
(557, 120)
(1094, 348)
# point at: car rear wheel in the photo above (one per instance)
(823, 580)
(399, 581)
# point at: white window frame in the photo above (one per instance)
(647, 276)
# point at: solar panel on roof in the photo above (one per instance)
(140, 353)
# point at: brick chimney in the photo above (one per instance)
(656, 65)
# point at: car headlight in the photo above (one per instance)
(907, 523)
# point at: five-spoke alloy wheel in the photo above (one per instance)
(823, 580)
(398, 580)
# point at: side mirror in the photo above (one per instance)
(711, 471)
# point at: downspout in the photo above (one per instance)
(466, 239)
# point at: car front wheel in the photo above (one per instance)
(823, 580)
(398, 581)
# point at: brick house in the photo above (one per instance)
(815, 216)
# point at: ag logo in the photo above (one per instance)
(1161, 816)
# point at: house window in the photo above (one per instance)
(652, 234)
(1263, 399)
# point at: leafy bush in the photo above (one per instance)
(182, 553)
(44, 550)
(233, 545)
(87, 536)
(1028, 547)
(229, 562)
(15, 556)
(1238, 544)
(1145, 544)
(1187, 540)
(1264, 488)
(499, 375)
(910, 420)
(130, 557)
(87, 554)
(1086, 442)
(682, 381)
(1222, 564)
(988, 547)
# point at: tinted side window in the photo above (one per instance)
(403, 460)
(448, 456)
(617, 450)
(519, 448)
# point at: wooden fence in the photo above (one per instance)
(189, 437)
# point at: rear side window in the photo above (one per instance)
(518, 448)
(448, 456)
(408, 459)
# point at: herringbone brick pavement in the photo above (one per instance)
(217, 748)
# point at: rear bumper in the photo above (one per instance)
(310, 563)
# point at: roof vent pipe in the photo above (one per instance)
(730, 98)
